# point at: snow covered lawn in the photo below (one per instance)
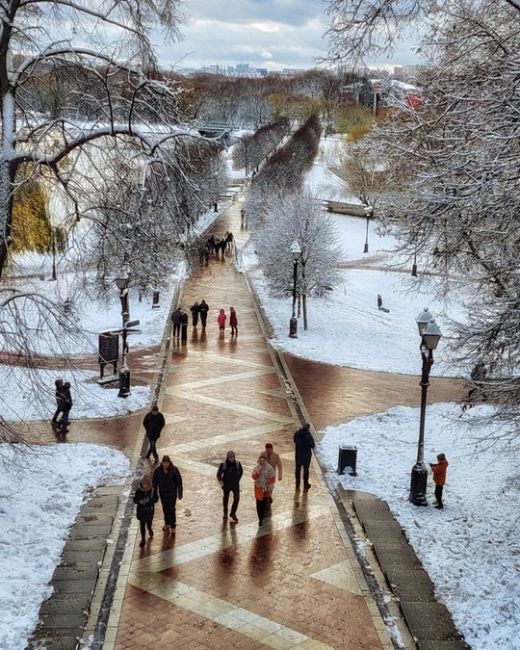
(470, 549)
(347, 329)
(43, 489)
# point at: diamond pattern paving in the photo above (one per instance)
(289, 584)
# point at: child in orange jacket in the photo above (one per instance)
(439, 476)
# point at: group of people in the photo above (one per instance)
(60, 419)
(180, 318)
(233, 321)
(166, 482)
(216, 246)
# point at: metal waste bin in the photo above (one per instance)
(124, 383)
(347, 457)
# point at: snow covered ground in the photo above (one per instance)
(470, 549)
(348, 329)
(92, 316)
(43, 490)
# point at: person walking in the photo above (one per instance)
(145, 498)
(221, 320)
(263, 476)
(233, 321)
(195, 309)
(167, 481)
(439, 477)
(153, 424)
(58, 386)
(229, 474)
(63, 424)
(184, 326)
(203, 310)
(303, 446)
(176, 320)
(275, 461)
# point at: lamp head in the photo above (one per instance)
(296, 251)
(431, 335)
(122, 283)
(423, 319)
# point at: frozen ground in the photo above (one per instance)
(470, 549)
(42, 491)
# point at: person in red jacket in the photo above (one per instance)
(221, 320)
(439, 476)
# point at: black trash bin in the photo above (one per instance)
(124, 383)
(347, 458)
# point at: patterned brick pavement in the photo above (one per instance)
(295, 582)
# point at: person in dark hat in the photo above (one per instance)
(153, 424)
(303, 446)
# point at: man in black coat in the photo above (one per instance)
(303, 446)
(229, 475)
(153, 424)
(176, 320)
(167, 480)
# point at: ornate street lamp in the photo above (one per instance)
(430, 336)
(369, 211)
(296, 252)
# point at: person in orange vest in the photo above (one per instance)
(439, 476)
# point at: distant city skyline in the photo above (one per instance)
(271, 34)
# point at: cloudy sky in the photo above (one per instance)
(273, 34)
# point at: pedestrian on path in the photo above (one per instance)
(229, 474)
(263, 476)
(303, 446)
(153, 424)
(195, 309)
(66, 397)
(145, 497)
(233, 321)
(184, 326)
(167, 481)
(58, 387)
(275, 461)
(221, 320)
(203, 310)
(176, 320)
(439, 470)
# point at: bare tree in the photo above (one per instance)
(451, 179)
(298, 217)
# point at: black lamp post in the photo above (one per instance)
(430, 337)
(369, 211)
(296, 252)
(124, 373)
(414, 265)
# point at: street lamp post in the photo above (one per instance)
(296, 252)
(369, 211)
(430, 337)
(124, 372)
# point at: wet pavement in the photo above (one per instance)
(292, 583)
(295, 582)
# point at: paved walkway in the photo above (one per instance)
(295, 582)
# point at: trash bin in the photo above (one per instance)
(347, 458)
(124, 383)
